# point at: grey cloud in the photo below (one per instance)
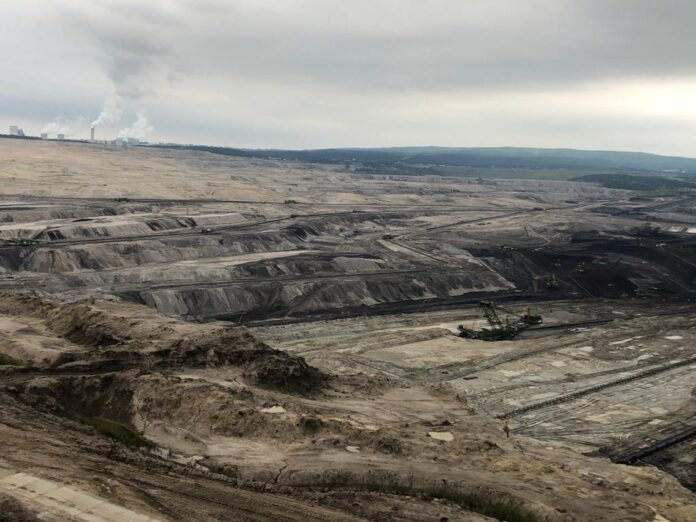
(131, 40)
(546, 41)
(21, 105)
(334, 67)
(441, 44)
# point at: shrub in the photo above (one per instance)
(6, 360)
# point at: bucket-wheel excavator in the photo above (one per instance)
(500, 330)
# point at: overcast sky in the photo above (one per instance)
(604, 74)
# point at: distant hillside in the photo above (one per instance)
(425, 160)
(644, 183)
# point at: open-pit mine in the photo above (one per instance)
(193, 336)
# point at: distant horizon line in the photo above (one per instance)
(378, 148)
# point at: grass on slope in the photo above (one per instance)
(490, 504)
(6, 360)
(118, 432)
(643, 183)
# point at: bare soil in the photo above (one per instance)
(284, 337)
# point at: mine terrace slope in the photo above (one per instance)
(127, 276)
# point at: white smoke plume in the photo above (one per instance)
(111, 112)
(140, 129)
(57, 126)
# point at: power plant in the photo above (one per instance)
(16, 131)
(61, 136)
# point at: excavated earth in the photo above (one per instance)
(187, 336)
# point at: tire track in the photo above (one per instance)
(594, 389)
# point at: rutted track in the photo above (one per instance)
(595, 322)
(408, 307)
(284, 279)
(594, 389)
(464, 222)
(205, 201)
(504, 358)
(633, 456)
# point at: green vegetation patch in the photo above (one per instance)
(629, 182)
(118, 432)
(489, 503)
(6, 360)
(477, 503)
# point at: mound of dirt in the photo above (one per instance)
(122, 336)
(285, 372)
(166, 408)
(101, 324)
(75, 397)
(24, 304)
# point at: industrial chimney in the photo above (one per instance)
(92, 134)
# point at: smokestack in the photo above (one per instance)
(92, 134)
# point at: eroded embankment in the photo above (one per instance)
(126, 336)
(218, 400)
(223, 429)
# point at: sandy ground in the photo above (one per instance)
(218, 417)
(351, 397)
(507, 375)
